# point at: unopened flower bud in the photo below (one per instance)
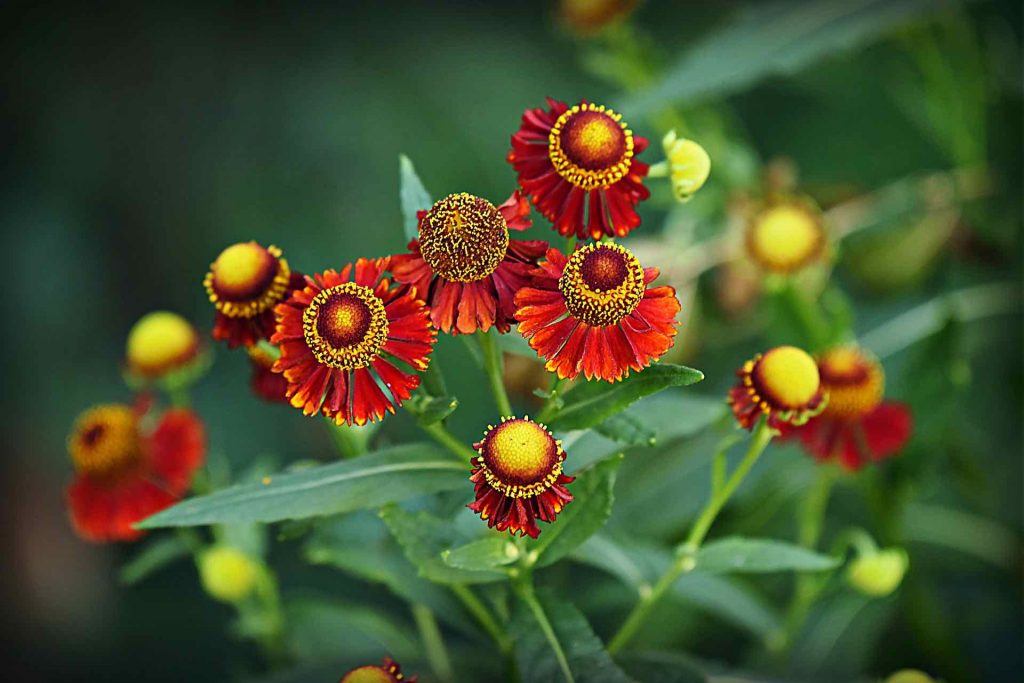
(227, 574)
(689, 165)
(161, 342)
(909, 676)
(878, 574)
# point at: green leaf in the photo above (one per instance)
(413, 195)
(424, 537)
(319, 628)
(487, 553)
(663, 667)
(773, 38)
(580, 519)
(516, 344)
(736, 555)
(628, 429)
(431, 409)
(587, 659)
(153, 557)
(370, 481)
(593, 402)
(361, 545)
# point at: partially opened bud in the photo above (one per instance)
(909, 676)
(878, 574)
(160, 343)
(689, 165)
(228, 574)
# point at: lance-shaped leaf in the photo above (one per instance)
(542, 656)
(413, 195)
(153, 557)
(370, 481)
(491, 552)
(737, 555)
(663, 667)
(594, 402)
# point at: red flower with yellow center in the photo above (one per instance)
(339, 336)
(126, 471)
(595, 313)
(579, 167)
(388, 672)
(465, 265)
(782, 384)
(518, 477)
(245, 283)
(857, 426)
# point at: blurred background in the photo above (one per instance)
(140, 141)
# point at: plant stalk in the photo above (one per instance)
(493, 367)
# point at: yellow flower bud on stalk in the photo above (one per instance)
(228, 574)
(688, 165)
(878, 574)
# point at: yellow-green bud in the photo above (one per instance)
(909, 676)
(159, 343)
(689, 165)
(878, 574)
(227, 574)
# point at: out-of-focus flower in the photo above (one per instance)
(879, 573)
(160, 343)
(595, 314)
(339, 336)
(782, 384)
(737, 286)
(688, 165)
(909, 676)
(388, 672)
(265, 383)
(245, 283)
(518, 477)
(587, 17)
(579, 167)
(464, 264)
(125, 473)
(856, 427)
(227, 574)
(786, 235)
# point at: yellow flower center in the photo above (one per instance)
(247, 279)
(368, 674)
(855, 382)
(105, 440)
(787, 377)
(463, 238)
(590, 146)
(785, 237)
(227, 573)
(345, 326)
(520, 458)
(602, 283)
(160, 341)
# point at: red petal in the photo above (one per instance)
(176, 448)
(106, 511)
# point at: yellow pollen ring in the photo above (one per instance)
(585, 279)
(247, 280)
(520, 458)
(785, 237)
(594, 143)
(855, 382)
(786, 378)
(463, 238)
(105, 440)
(345, 326)
(160, 341)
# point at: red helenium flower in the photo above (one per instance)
(464, 264)
(857, 426)
(245, 283)
(594, 313)
(579, 167)
(339, 336)
(126, 472)
(518, 477)
(388, 672)
(781, 384)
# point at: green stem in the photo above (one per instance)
(269, 596)
(441, 435)
(550, 408)
(179, 396)
(524, 588)
(813, 326)
(493, 367)
(349, 441)
(483, 615)
(686, 551)
(433, 644)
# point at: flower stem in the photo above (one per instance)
(687, 550)
(524, 589)
(433, 644)
(493, 367)
(350, 442)
(441, 435)
(483, 615)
